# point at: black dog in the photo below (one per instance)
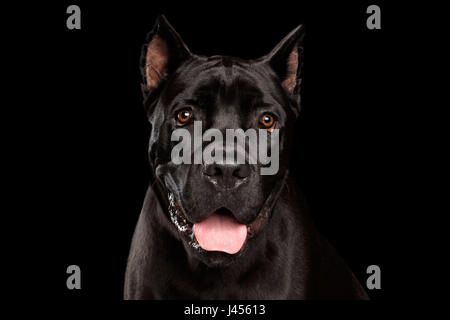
(268, 247)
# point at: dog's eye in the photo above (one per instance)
(268, 121)
(183, 117)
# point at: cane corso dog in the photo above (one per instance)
(224, 230)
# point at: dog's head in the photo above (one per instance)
(193, 101)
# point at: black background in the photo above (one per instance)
(92, 156)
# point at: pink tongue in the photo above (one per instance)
(220, 233)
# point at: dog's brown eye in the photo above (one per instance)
(268, 121)
(183, 117)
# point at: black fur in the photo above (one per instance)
(286, 258)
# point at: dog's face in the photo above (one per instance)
(215, 205)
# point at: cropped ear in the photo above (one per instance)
(286, 59)
(161, 55)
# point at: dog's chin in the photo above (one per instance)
(212, 252)
(217, 259)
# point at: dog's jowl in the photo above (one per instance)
(220, 229)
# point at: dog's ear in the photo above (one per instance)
(286, 59)
(162, 54)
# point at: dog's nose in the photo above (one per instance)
(227, 176)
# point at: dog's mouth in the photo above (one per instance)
(219, 232)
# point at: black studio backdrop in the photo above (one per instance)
(96, 171)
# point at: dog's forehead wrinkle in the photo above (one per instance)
(237, 81)
(227, 117)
